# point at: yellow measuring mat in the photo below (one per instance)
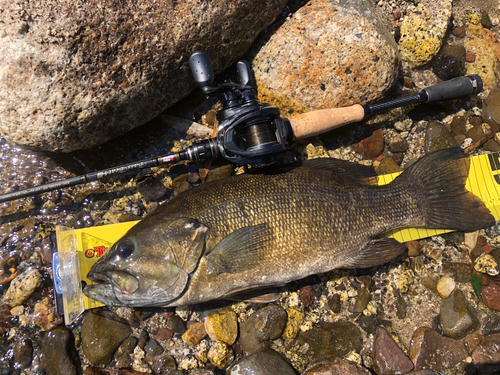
(74, 251)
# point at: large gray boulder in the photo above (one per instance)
(74, 74)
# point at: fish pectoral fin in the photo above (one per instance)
(241, 251)
(255, 294)
(377, 252)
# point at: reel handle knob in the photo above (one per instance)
(244, 73)
(201, 68)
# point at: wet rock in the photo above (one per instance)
(461, 271)
(337, 367)
(459, 32)
(437, 137)
(485, 20)
(22, 287)
(388, 356)
(476, 133)
(220, 354)
(491, 109)
(491, 324)
(430, 350)
(59, 354)
(388, 165)
(449, 62)
(326, 60)
(423, 30)
(486, 356)
(487, 264)
(195, 333)
(472, 341)
(163, 365)
(119, 65)
(223, 326)
(127, 346)
(295, 319)
(401, 307)
(23, 353)
(45, 314)
(371, 147)
(491, 145)
(5, 319)
(445, 286)
(491, 292)
(334, 303)
(267, 323)
(362, 301)
(458, 125)
(331, 341)
(456, 317)
(263, 362)
(101, 337)
(369, 323)
(164, 334)
(176, 324)
(307, 295)
(153, 348)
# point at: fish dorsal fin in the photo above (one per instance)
(241, 251)
(343, 168)
(377, 252)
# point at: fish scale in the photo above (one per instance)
(259, 230)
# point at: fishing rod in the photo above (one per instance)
(250, 132)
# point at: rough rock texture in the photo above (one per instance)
(75, 74)
(330, 53)
(423, 30)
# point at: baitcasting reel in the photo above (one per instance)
(249, 132)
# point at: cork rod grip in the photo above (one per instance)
(316, 122)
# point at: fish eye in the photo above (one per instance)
(125, 249)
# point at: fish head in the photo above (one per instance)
(150, 265)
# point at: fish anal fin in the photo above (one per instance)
(377, 252)
(242, 250)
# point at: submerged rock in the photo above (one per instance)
(332, 53)
(59, 354)
(79, 74)
(491, 109)
(222, 326)
(388, 356)
(437, 137)
(456, 317)
(263, 362)
(430, 350)
(22, 287)
(101, 337)
(486, 356)
(338, 366)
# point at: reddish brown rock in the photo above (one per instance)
(307, 295)
(429, 350)
(388, 356)
(337, 367)
(319, 58)
(486, 356)
(370, 147)
(491, 292)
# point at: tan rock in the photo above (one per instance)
(222, 326)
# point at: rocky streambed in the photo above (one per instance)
(434, 309)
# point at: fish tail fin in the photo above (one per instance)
(438, 179)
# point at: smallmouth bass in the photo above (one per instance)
(261, 230)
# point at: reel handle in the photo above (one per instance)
(201, 68)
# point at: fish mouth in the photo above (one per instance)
(111, 284)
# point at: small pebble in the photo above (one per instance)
(194, 334)
(220, 354)
(470, 57)
(486, 264)
(295, 319)
(45, 314)
(361, 301)
(445, 286)
(222, 326)
(459, 32)
(491, 292)
(388, 356)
